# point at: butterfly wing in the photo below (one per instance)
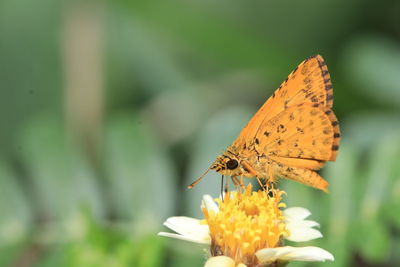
(309, 83)
(300, 132)
(299, 140)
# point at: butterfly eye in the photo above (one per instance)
(232, 164)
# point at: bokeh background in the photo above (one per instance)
(109, 109)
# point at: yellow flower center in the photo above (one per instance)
(246, 222)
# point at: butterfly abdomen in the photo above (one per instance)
(304, 176)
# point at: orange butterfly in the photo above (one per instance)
(292, 135)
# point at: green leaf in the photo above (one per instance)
(62, 179)
(340, 212)
(382, 158)
(134, 44)
(184, 254)
(140, 176)
(152, 252)
(375, 241)
(15, 212)
(368, 128)
(394, 205)
(372, 63)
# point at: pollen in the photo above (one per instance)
(246, 222)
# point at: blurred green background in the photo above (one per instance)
(109, 109)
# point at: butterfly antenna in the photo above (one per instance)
(198, 180)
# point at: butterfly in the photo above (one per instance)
(291, 136)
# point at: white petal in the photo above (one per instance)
(293, 254)
(220, 261)
(296, 213)
(271, 254)
(302, 234)
(303, 224)
(184, 225)
(210, 204)
(189, 227)
(186, 238)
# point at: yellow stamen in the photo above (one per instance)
(247, 222)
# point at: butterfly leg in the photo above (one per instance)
(238, 182)
(272, 180)
(235, 180)
(268, 179)
(260, 183)
(241, 182)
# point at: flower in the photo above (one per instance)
(248, 228)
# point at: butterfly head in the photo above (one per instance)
(229, 164)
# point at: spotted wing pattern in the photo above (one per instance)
(300, 132)
(308, 83)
